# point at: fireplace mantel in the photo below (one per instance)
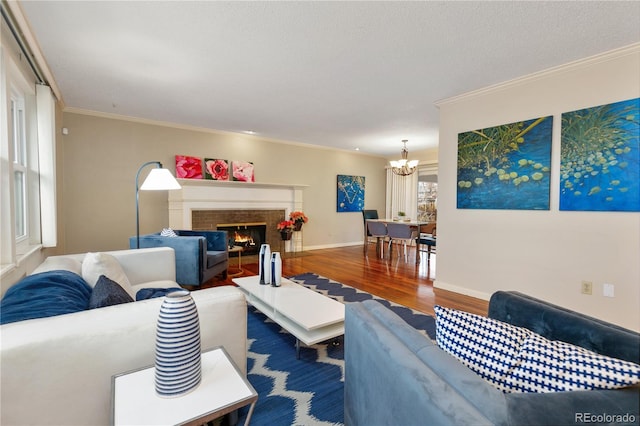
(200, 194)
(235, 184)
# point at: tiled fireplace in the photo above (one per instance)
(205, 205)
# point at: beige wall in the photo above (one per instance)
(543, 253)
(100, 157)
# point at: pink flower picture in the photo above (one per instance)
(188, 167)
(216, 169)
(242, 171)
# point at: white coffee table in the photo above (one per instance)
(222, 390)
(311, 317)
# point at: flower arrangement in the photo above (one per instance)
(285, 225)
(298, 217)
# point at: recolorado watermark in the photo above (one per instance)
(604, 418)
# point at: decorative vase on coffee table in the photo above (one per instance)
(297, 226)
(276, 269)
(178, 362)
(264, 264)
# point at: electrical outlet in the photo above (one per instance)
(587, 287)
(607, 290)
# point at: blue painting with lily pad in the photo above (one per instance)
(600, 158)
(506, 166)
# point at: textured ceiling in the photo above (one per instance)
(341, 74)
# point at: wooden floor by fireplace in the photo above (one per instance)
(402, 282)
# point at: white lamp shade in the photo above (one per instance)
(159, 179)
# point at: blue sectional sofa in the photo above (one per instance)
(395, 375)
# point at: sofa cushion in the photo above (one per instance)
(96, 264)
(106, 293)
(215, 257)
(168, 232)
(45, 295)
(58, 263)
(516, 359)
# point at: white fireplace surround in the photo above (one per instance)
(200, 194)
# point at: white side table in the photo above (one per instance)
(223, 389)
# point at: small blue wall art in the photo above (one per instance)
(350, 193)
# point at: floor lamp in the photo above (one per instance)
(159, 179)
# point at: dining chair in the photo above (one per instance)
(402, 233)
(366, 215)
(428, 238)
(378, 230)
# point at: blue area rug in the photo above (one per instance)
(310, 390)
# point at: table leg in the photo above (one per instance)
(250, 413)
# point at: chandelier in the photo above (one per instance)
(404, 167)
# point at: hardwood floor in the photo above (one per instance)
(402, 282)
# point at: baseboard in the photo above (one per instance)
(336, 245)
(461, 290)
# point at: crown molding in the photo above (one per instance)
(257, 137)
(632, 49)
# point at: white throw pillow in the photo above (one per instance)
(515, 359)
(168, 232)
(96, 264)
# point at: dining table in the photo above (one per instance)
(414, 224)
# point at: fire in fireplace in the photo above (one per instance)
(247, 235)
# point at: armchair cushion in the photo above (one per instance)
(216, 240)
(216, 257)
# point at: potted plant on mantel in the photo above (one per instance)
(299, 219)
(286, 229)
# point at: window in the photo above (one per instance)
(27, 153)
(18, 136)
(428, 193)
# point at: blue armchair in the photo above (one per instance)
(200, 255)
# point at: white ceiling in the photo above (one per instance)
(341, 74)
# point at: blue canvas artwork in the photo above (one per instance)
(600, 158)
(350, 193)
(506, 166)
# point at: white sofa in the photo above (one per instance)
(58, 370)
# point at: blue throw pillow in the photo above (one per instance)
(45, 295)
(151, 293)
(107, 293)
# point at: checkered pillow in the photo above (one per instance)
(553, 366)
(168, 232)
(515, 359)
(487, 346)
